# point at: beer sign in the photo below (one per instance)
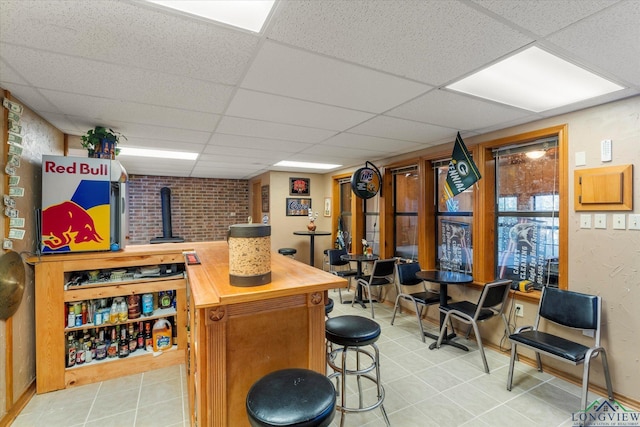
(366, 181)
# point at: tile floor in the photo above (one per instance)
(445, 387)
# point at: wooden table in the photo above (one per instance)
(359, 259)
(444, 278)
(312, 235)
(240, 334)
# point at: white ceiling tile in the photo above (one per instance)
(366, 142)
(109, 110)
(145, 132)
(392, 128)
(263, 106)
(262, 129)
(128, 33)
(283, 70)
(257, 143)
(7, 74)
(609, 40)
(456, 111)
(69, 74)
(430, 41)
(215, 152)
(544, 17)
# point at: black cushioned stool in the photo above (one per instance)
(351, 334)
(288, 252)
(291, 397)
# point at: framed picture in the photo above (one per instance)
(327, 206)
(299, 186)
(264, 191)
(298, 206)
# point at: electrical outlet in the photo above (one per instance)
(519, 310)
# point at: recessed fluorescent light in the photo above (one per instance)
(306, 165)
(535, 80)
(247, 14)
(162, 154)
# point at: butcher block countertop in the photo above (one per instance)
(209, 281)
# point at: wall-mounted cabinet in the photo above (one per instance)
(85, 301)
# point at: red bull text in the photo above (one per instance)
(75, 204)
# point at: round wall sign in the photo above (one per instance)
(366, 181)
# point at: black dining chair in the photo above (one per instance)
(411, 288)
(571, 310)
(340, 268)
(382, 274)
(492, 302)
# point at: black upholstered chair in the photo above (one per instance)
(382, 274)
(411, 288)
(291, 397)
(340, 267)
(356, 335)
(573, 310)
(491, 303)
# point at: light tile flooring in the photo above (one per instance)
(445, 387)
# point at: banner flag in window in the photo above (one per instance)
(463, 173)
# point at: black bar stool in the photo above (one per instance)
(288, 252)
(352, 334)
(291, 398)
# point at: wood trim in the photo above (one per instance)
(18, 406)
(8, 367)
(486, 217)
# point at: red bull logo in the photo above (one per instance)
(67, 223)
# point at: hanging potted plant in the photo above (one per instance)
(102, 143)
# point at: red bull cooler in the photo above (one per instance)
(83, 205)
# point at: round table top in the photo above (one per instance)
(359, 257)
(445, 277)
(309, 233)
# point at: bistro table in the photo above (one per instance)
(312, 235)
(358, 259)
(444, 278)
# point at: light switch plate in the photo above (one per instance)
(634, 222)
(600, 220)
(581, 158)
(619, 222)
(585, 221)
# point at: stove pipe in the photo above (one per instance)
(167, 233)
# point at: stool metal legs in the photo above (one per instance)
(342, 371)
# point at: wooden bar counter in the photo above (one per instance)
(239, 334)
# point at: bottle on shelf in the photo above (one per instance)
(80, 354)
(123, 310)
(112, 349)
(133, 339)
(161, 335)
(148, 337)
(71, 350)
(140, 336)
(123, 346)
(147, 304)
(101, 346)
(113, 312)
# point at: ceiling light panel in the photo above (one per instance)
(535, 80)
(248, 14)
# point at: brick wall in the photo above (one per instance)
(201, 208)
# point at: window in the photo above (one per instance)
(406, 190)
(527, 212)
(454, 218)
(344, 221)
(371, 214)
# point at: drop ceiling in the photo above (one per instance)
(331, 81)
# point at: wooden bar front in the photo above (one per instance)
(239, 334)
